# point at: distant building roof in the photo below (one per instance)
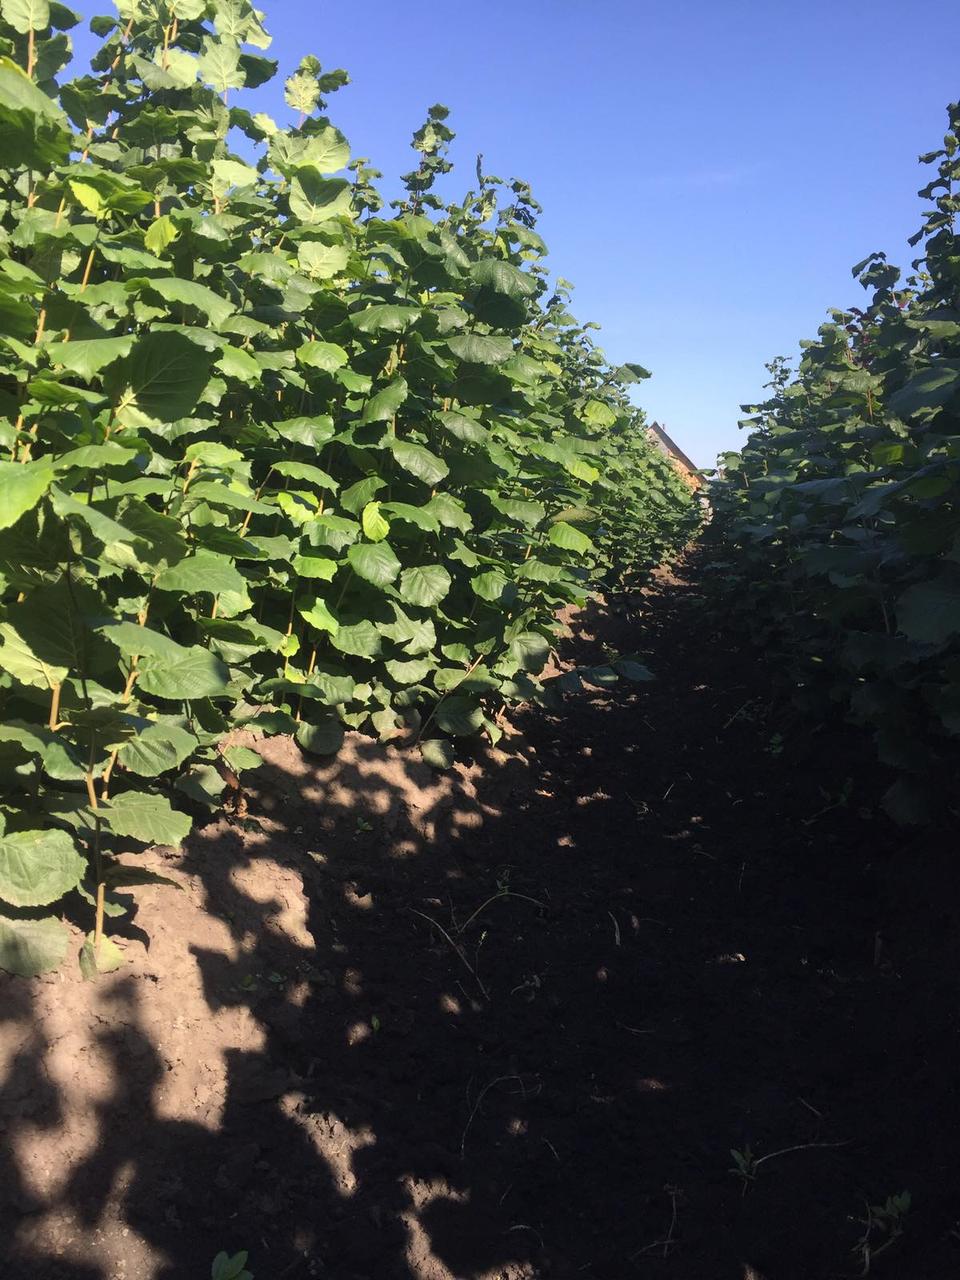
(668, 446)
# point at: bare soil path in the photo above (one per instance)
(510, 1022)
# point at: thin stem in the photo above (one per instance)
(54, 708)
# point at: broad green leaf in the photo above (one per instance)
(504, 277)
(374, 562)
(319, 616)
(315, 199)
(38, 867)
(323, 738)
(191, 294)
(305, 471)
(384, 405)
(424, 585)
(374, 526)
(322, 261)
(329, 685)
(146, 817)
(418, 516)
(89, 197)
(160, 381)
(460, 716)
(384, 317)
(22, 485)
(156, 749)
(491, 585)
(476, 348)
(314, 567)
(234, 362)
(529, 650)
(197, 673)
(568, 538)
(420, 462)
(326, 356)
(219, 65)
(204, 571)
(411, 672)
(438, 753)
(99, 958)
(31, 947)
(234, 173)
(26, 15)
(160, 234)
(930, 611)
(20, 661)
(361, 639)
(86, 357)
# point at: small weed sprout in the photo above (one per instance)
(226, 1267)
(883, 1226)
(744, 1165)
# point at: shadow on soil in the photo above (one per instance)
(532, 1006)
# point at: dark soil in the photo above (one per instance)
(511, 1022)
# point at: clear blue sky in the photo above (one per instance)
(710, 169)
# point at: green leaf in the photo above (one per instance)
(374, 562)
(198, 673)
(34, 132)
(191, 294)
(326, 356)
(384, 405)
(475, 348)
(418, 516)
(157, 749)
(315, 199)
(323, 262)
(420, 462)
(160, 234)
(491, 586)
(314, 567)
(568, 538)
(438, 753)
(38, 867)
(20, 661)
(106, 957)
(635, 671)
(219, 65)
(160, 381)
(323, 738)
(31, 947)
(330, 685)
(306, 471)
(930, 611)
(145, 817)
(202, 572)
(233, 173)
(361, 639)
(530, 651)
(26, 15)
(424, 585)
(319, 616)
(240, 759)
(459, 715)
(22, 485)
(386, 317)
(411, 672)
(89, 197)
(927, 390)
(374, 526)
(504, 277)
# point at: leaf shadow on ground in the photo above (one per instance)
(509, 1022)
